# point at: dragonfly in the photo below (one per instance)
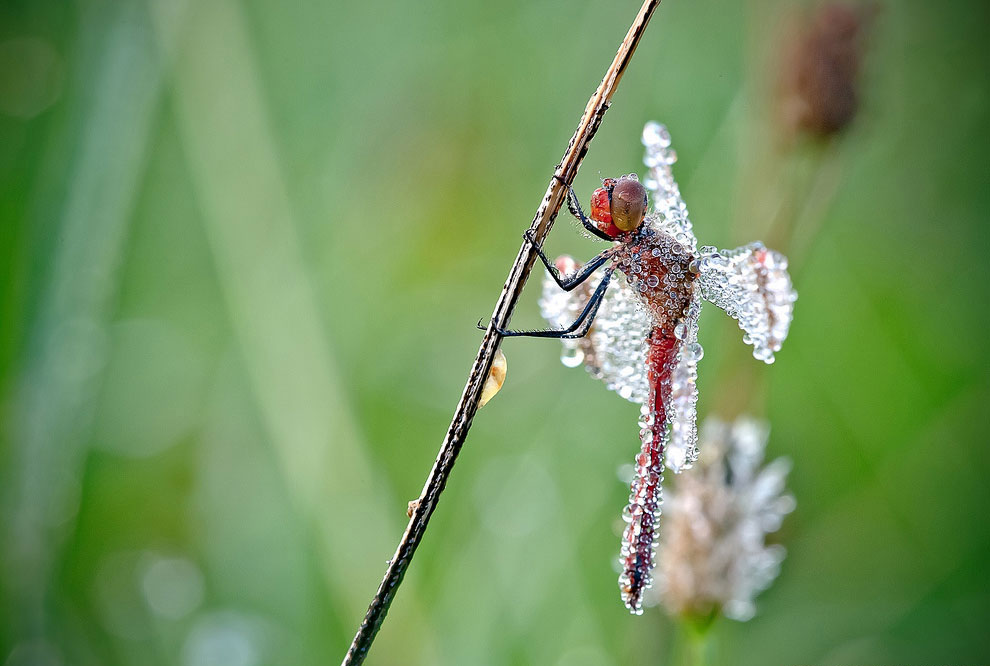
(639, 335)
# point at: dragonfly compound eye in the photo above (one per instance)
(628, 204)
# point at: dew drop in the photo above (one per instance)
(571, 357)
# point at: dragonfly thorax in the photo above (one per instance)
(658, 268)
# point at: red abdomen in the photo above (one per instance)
(643, 512)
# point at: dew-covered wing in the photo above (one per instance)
(681, 447)
(752, 285)
(614, 351)
(670, 214)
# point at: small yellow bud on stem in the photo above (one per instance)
(496, 377)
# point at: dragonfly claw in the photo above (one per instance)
(498, 329)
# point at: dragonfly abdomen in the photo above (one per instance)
(640, 538)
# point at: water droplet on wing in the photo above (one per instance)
(572, 357)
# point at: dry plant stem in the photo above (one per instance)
(468, 405)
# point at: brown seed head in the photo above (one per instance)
(820, 80)
(628, 203)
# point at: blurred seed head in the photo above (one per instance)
(821, 66)
(713, 555)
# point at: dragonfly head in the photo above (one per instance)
(619, 205)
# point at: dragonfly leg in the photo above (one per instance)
(570, 282)
(574, 205)
(581, 325)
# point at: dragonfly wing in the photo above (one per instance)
(752, 285)
(614, 350)
(681, 449)
(670, 214)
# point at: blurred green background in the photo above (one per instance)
(243, 246)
